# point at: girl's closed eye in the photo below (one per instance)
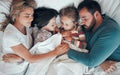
(27, 16)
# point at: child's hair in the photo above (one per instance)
(42, 16)
(70, 12)
(17, 6)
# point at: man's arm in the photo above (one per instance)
(105, 45)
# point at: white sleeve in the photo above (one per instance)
(11, 39)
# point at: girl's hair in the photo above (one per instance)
(70, 12)
(42, 16)
(17, 6)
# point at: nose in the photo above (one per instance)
(82, 22)
(31, 18)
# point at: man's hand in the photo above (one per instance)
(108, 66)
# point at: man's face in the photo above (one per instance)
(87, 19)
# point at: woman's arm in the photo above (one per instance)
(22, 52)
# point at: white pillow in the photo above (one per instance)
(111, 8)
(4, 8)
(1, 36)
(57, 4)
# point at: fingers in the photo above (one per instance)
(61, 49)
(111, 69)
(5, 58)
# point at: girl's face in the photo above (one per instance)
(67, 23)
(25, 17)
(51, 25)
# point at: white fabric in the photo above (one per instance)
(1, 36)
(98, 70)
(48, 45)
(65, 66)
(57, 4)
(110, 7)
(12, 37)
(4, 8)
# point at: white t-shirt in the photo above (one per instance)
(12, 37)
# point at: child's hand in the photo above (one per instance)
(11, 58)
(108, 66)
(66, 33)
(56, 30)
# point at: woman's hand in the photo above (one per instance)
(108, 66)
(11, 58)
(61, 49)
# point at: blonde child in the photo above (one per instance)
(72, 31)
(17, 40)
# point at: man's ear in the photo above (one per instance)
(96, 14)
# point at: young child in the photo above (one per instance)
(72, 32)
(45, 20)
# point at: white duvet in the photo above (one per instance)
(110, 7)
(40, 68)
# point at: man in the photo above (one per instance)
(102, 36)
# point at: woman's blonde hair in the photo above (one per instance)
(17, 6)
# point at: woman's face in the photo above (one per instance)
(67, 23)
(25, 17)
(51, 25)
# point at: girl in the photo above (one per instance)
(45, 20)
(72, 32)
(17, 40)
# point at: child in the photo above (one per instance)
(45, 20)
(17, 40)
(72, 32)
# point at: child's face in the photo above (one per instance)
(25, 17)
(67, 23)
(51, 25)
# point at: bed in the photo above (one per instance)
(109, 7)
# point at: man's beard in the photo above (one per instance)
(92, 25)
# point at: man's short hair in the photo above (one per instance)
(90, 5)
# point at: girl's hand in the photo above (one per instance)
(11, 58)
(108, 66)
(66, 33)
